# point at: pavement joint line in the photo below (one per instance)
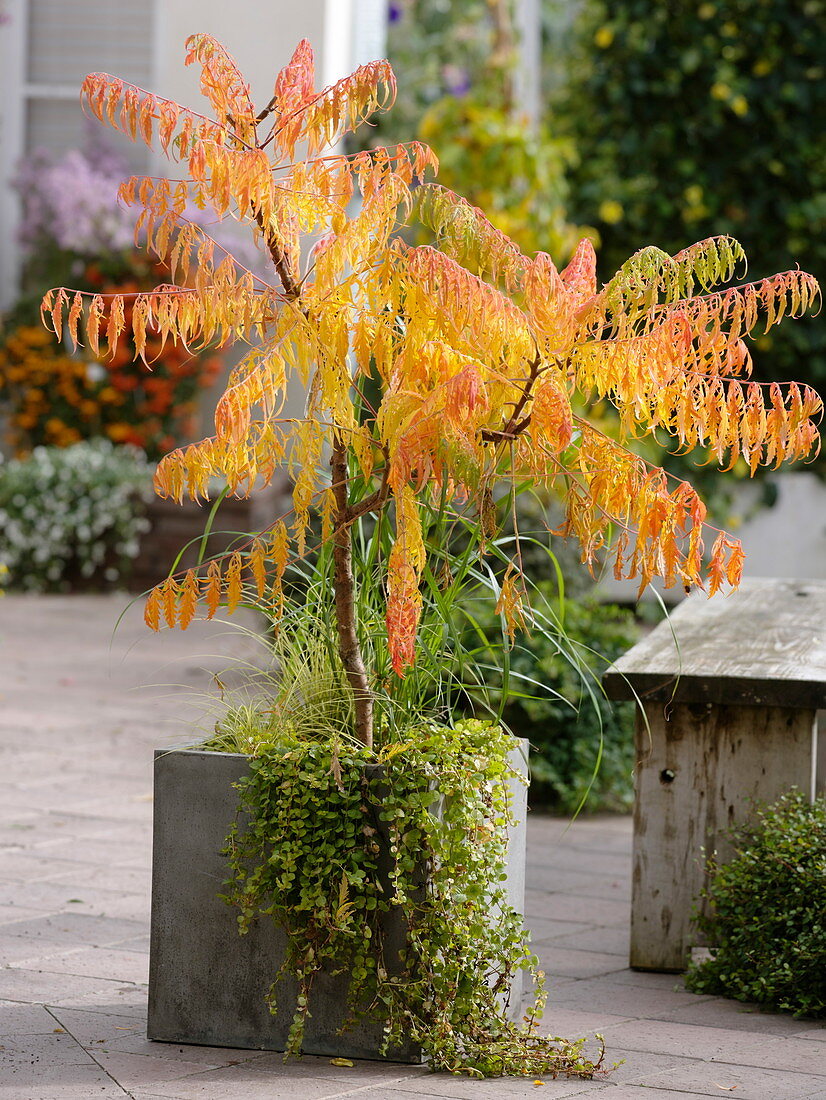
(88, 1053)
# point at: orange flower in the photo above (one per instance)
(119, 432)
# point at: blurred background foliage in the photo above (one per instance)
(456, 65)
(697, 119)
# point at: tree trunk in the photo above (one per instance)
(345, 603)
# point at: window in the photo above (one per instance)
(48, 46)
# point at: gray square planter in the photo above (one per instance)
(207, 984)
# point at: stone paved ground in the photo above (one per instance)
(76, 741)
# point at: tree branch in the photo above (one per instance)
(344, 587)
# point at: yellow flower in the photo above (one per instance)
(604, 37)
(762, 67)
(720, 90)
(611, 211)
(740, 105)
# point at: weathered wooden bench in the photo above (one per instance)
(730, 689)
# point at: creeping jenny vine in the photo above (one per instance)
(312, 854)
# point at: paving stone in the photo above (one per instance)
(648, 979)
(717, 1044)
(41, 1050)
(542, 928)
(24, 1019)
(503, 1088)
(133, 907)
(118, 880)
(139, 944)
(44, 987)
(797, 1054)
(140, 1069)
(596, 886)
(19, 950)
(553, 906)
(576, 964)
(642, 1092)
(744, 1082)
(814, 1032)
(611, 940)
(95, 962)
(135, 1042)
(108, 997)
(590, 994)
(718, 1012)
(360, 1074)
(565, 859)
(638, 1065)
(77, 928)
(31, 867)
(59, 1082)
(244, 1081)
(77, 823)
(110, 852)
(91, 1087)
(96, 1028)
(12, 915)
(549, 1090)
(57, 896)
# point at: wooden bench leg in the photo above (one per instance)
(699, 769)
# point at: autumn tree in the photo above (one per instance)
(475, 349)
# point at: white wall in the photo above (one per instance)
(261, 36)
(786, 540)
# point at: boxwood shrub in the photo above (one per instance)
(767, 917)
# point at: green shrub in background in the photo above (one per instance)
(457, 64)
(582, 745)
(767, 920)
(70, 516)
(696, 119)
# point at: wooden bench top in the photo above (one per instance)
(763, 645)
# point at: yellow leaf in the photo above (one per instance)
(233, 582)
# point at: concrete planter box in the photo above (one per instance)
(207, 984)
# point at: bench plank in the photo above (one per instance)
(763, 645)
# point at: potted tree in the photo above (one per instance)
(438, 378)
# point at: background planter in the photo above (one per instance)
(173, 526)
(207, 984)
